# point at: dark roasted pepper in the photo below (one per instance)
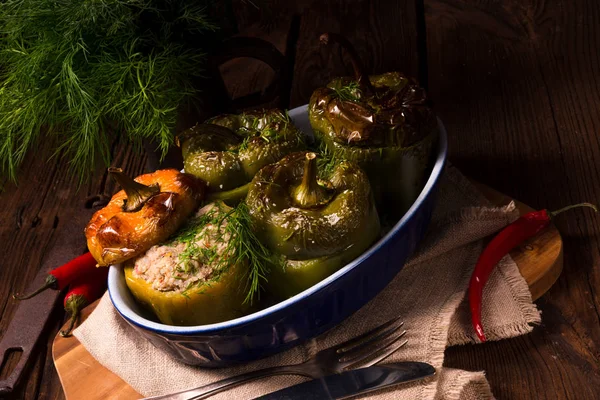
(228, 150)
(197, 277)
(315, 226)
(383, 123)
(148, 210)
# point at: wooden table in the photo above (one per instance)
(517, 85)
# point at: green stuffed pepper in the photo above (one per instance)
(204, 274)
(228, 150)
(383, 123)
(315, 226)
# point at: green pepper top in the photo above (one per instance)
(394, 114)
(384, 110)
(304, 217)
(314, 225)
(228, 150)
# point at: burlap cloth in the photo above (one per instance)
(429, 294)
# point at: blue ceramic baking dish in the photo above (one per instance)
(304, 316)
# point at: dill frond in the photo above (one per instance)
(327, 160)
(267, 127)
(259, 258)
(76, 72)
(243, 247)
(348, 92)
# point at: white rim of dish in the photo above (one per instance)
(116, 272)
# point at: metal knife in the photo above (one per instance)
(355, 382)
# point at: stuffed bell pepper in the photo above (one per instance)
(208, 272)
(383, 123)
(228, 150)
(148, 210)
(314, 217)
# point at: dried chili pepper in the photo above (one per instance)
(84, 290)
(525, 227)
(60, 277)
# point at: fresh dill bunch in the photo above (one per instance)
(349, 92)
(74, 72)
(241, 246)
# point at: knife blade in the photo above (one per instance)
(355, 382)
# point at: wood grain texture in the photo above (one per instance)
(83, 378)
(35, 223)
(516, 84)
(383, 32)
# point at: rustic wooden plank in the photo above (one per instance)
(34, 217)
(81, 376)
(275, 22)
(516, 84)
(383, 32)
(245, 76)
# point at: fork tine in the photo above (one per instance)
(349, 344)
(386, 350)
(385, 355)
(354, 352)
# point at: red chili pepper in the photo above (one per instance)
(60, 277)
(83, 291)
(526, 226)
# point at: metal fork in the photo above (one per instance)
(363, 351)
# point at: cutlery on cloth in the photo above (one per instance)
(354, 382)
(363, 351)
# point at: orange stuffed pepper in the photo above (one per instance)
(146, 212)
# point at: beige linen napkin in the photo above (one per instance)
(429, 294)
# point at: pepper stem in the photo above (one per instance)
(50, 283)
(590, 205)
(309, 193)
(73, 305)
(137, 193)
(359, 70)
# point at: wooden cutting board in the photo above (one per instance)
(540, 261)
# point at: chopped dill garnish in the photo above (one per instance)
(349, 92)
(250, 248)
(270, 127)
(244, 145)
(326, 161)
(242, 247)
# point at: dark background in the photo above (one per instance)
(515, 82)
